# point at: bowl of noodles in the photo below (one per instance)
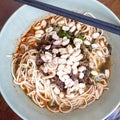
(53, 67)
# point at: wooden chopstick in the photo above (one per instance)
(72, 15)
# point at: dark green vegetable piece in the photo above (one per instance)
(80, 36)
(96, 79)
(109, 48)
(91, 76)
(18, 61)
(65, 34)
(39, 52)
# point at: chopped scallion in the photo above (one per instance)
(80, 36)
(39, 53)
(97, 79)
(65, 34)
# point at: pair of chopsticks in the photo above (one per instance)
(74, 16)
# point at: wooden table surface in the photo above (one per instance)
(7, 7)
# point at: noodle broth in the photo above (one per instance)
(62, 64)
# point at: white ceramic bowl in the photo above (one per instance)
(17, 24)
